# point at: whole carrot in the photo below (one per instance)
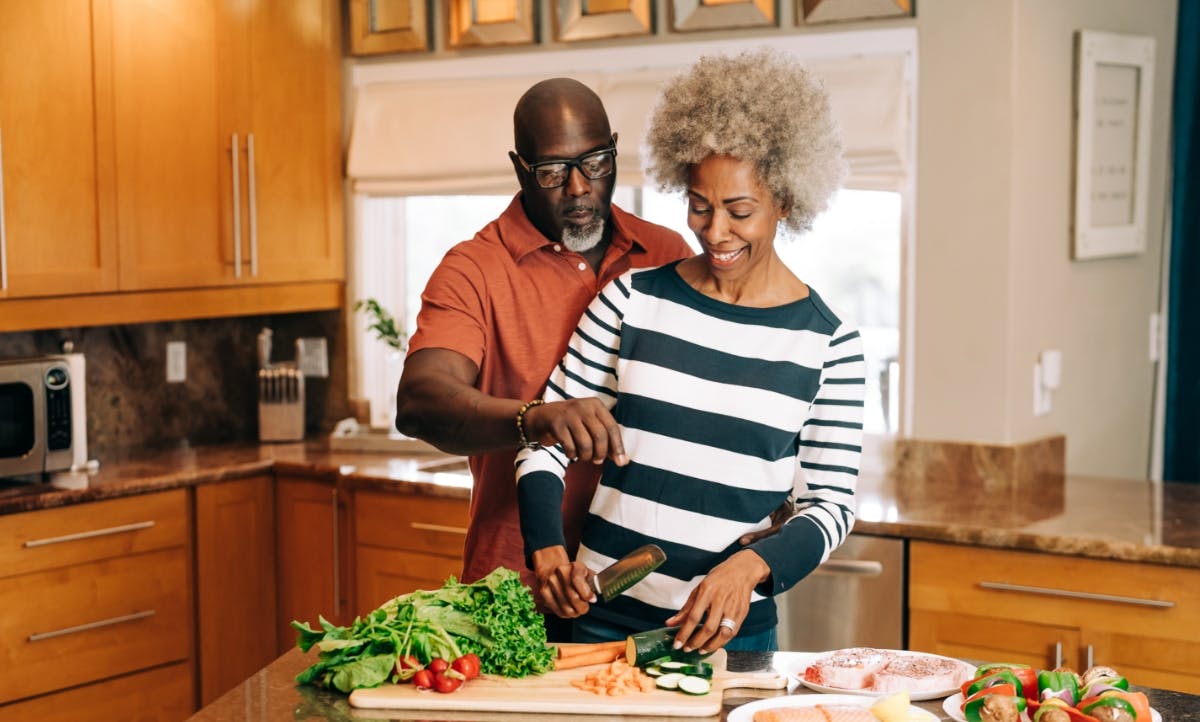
(584, 659)
(571, 650)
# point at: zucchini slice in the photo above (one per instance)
(654, 670)
(693, 685)
(669, 681)
(673, 666)
(699, 669)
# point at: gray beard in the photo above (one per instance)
(583, 239)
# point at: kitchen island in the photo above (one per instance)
(272, 695)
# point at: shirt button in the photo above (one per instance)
(557, 248)
(582, 266)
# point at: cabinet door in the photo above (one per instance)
(57, 227)
(293, 97)
(173, 137)
(386, 573)
(983, 638)
(235, 573)
(162, 694)
(309, 543)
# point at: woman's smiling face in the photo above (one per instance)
(733, 215)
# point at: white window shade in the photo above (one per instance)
(451, 135)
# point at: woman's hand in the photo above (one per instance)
(723, 594)
(584, 427)
(564, 587)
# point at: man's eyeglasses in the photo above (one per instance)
(554, 173)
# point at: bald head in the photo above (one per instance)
(554, 107)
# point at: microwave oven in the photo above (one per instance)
(43, 415)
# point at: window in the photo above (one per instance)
(851, 257)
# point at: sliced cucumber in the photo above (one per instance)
(669, 680)
(673, 666)
(693, 685)
(654, 671)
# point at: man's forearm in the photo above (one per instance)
(462, 421)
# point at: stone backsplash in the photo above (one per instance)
(131, 405)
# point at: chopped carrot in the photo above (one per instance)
(616, 679)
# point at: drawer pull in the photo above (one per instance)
(88, 534)
(1005, 587)
(854, 567)
(438, 527)
(38, 636)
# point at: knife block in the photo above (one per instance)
(280, 404)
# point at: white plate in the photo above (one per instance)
(797, 673)
(952, 706)
(745, 713)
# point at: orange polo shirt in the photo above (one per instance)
(509, 299)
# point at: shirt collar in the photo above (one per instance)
(521, 237)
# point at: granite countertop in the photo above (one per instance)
(1132, 520)
(271, 695)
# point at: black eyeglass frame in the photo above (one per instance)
(576, 162)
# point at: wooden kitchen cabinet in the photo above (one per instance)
(405, 542)
(92, 593)
(1016, 606)
(228, 142)
(312, 543)
(56, 211)
(235, 581)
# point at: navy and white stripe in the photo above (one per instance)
(727, 412)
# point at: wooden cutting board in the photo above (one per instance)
(552, 693)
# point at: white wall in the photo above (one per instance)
(995, 281)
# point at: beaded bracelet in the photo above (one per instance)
(526, 443)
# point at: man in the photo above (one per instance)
(499, 310)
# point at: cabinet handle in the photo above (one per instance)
(253, 204)
(1090, 663)
(38, 636)
(337, 583)
(1050, 592)
(88, 534)
(855, 567)
(1058, 661)
(438, 527)
(237, 211)
(3, 235)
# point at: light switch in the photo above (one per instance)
(176, 362)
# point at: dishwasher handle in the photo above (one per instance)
(851, 567)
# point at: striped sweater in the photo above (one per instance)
(727, 412)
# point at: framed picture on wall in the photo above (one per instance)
(474, 24)
(688, 15)
(810, 12)
(387, 26)
(1114, 87)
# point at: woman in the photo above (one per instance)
(737, 389)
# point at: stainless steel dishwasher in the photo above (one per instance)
(854, 599)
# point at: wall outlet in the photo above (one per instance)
(176, 362)
(312, 357)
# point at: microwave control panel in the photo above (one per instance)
(58, 408)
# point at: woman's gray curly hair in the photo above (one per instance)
(762, 107)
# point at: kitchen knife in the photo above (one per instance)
(630, 569)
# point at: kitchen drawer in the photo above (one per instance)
(39, 540)
(430, 524)
(82, 623)
(1143, 599)
(163, 694)
(386, 573)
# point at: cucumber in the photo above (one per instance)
(654, 670)
(693, 685)
(669, 681)
(673, 666)
(646, 648)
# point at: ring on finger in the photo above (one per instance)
(729, 624)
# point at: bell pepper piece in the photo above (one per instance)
(1002, 676)
(1109, 700)
(1136, 700)
(1074, 714)
(1063, 685)
(972, 708)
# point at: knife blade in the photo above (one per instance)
(630, 569)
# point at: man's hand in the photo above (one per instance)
(779, 517)
(586, 430)
(564, 587)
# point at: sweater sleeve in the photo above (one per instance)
(827, 461)
(589, 369)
